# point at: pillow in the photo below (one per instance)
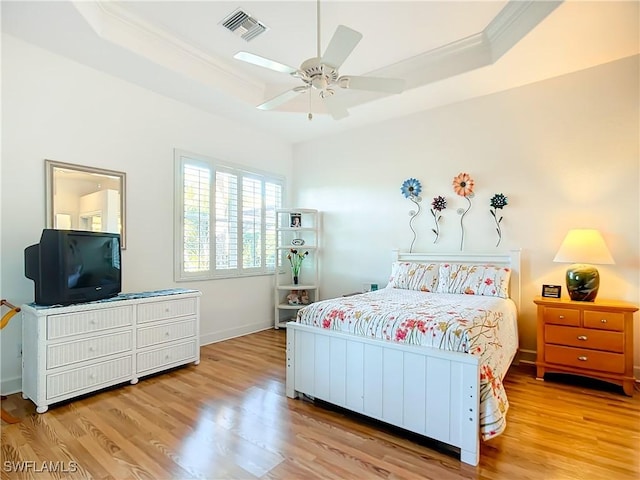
(487, 280)
(414, 276)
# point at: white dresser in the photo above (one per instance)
(77, 349)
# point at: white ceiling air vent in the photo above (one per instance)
(243, 25)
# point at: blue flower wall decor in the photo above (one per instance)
(411, 189)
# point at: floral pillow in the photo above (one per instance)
(414, 276)
(487, 280)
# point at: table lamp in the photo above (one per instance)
(582, 248)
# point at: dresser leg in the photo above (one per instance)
(540, 374)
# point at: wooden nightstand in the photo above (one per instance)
(593, 339)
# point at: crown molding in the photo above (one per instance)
(121, 27)
(514, 21)
(484, 48)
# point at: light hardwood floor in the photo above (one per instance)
(229, 418)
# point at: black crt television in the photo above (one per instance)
(73, 266)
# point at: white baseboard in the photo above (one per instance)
(527, 357)
(233, 333)
(10, 386)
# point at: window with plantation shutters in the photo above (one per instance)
(225, 219)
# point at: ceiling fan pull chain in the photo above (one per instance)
(310, 116)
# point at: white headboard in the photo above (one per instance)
(509, 259)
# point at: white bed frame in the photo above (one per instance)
(367, 376)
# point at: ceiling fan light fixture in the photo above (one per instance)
(343, 82)
(327, 92)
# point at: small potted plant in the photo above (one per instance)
(295, 259)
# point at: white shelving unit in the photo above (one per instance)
(288, 230)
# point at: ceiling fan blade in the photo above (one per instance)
(264, 62)
(342, 43)
(282, 98)
(375, 84)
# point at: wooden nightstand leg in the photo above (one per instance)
(627, 386)
(540, 374)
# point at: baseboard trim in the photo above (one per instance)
(11, 386)
(233, 333)
(526, 357)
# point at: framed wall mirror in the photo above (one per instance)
(85, 198)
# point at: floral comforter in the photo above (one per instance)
(478, 325)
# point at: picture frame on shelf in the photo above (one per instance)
(551, 291)
(295, 220)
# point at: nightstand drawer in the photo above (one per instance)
(562, 316)
(604, 320)
(583, 358)
(584, 338)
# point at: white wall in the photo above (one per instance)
(56, 109)
(564, 151)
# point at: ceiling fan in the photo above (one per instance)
(321, 72)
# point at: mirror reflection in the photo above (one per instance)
(85, 198)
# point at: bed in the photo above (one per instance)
(428, 353)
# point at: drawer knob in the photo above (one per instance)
(561, 316)
(582, 337)
(166, 310)
(582, 358)
(167, 333)
(604, 320)
(91, 349)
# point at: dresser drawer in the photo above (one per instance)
(169, 355)
(69, 324)
(584, 338)
(562, 316)
(604, 320)
(150, 312)
(61, 354)
(90, 377)
(166, 332)
(583, 358)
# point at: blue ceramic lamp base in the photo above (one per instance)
(583, 282)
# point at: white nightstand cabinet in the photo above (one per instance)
(302, 237)
(77, 349)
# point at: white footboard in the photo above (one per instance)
(424, 390)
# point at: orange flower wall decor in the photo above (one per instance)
(463, 185)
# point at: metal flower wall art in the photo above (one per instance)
(411, 189)
(498, 201)
(438, 204)
(463, 186)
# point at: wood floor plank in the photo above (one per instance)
(229, 418)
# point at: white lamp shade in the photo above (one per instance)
(584, 246)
